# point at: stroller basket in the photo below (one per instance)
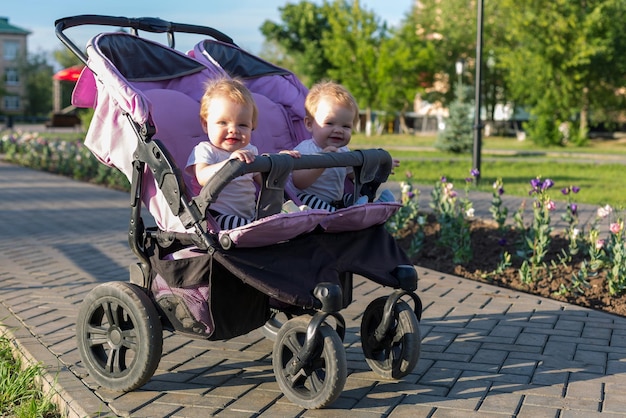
(196, 279)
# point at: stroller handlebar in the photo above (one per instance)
(148, 24)
(371, 166)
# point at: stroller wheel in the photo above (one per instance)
(396, 355)
(119, 336)
(321, 379)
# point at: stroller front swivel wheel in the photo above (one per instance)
(119, 336)
(396, 354)
(322, 378)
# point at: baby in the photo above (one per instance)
(229, 114)
(331, 115)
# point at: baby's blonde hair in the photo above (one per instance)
(229, 88)
(336, 92)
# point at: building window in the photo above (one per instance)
(11, 50)
(12, 77)
(11, 103)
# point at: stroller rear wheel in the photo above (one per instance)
(119, 336)
(396, 355)
(322, 378)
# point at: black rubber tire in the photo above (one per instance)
(398, 354)
(322, 380)
(119, 336)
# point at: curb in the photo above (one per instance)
(63, 387)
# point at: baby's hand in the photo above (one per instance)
(243, 155)
(292, 152)
(395, 163)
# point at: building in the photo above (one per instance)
(12, 50)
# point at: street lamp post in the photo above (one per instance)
(477, 120)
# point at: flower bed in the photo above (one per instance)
(577, 265)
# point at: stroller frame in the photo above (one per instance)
(119, 328)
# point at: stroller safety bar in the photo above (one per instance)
(371, 166)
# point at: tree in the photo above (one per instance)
(566, 58)
(66, 58)
(300, 35)
(353, 45)
(406, 68)
(37, 73)
(275, 53)
(457, 135)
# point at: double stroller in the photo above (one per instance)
(289, 274)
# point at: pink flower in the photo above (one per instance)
(616, 227)
(550, 205)
(599, 244)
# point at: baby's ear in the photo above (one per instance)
(308, 123)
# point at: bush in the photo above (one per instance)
(457, 135)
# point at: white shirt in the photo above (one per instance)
(239, 196)
(330, 185)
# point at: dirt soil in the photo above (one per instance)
(487, 251)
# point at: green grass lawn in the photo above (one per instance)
(592, 168)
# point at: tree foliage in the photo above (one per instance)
(566, 57)
(66, 58)
(300, 35)
(457, 135)
(37, 75)
(353, 45)
(407, 68)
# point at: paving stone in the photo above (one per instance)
(503, 403)
(532, 411)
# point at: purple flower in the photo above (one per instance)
(501, 191)
(547, 184)
(535, 183)
(574, 208)
(474, 172)
(469, 179)
(502, 242)
(444, 179)
(565, 190)
(575, 189)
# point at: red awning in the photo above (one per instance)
(69, 74)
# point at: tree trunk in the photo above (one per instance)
(584, 114)
(402, 120)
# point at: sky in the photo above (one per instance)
(240, 19)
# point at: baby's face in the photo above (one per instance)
(331, 124)
(229, 124)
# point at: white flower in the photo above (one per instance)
(421, 220)
(469, 213)
(604, 211)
